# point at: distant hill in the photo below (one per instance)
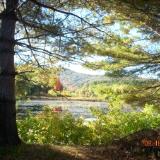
(73, 80)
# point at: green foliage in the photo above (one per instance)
(119, 123)
(131, 90)
(64, 93)
(52, 128)
(33, 80)
(49, 127)
(126, 50)
(86, 91)
(121, 53)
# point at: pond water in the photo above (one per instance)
(76, 108)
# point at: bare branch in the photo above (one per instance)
(38, 26)
(66, 13)
(22, 4)
(31, 37)
(29, 41)
(24, 72)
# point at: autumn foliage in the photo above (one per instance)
(58, 85)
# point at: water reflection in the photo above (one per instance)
(76, 108)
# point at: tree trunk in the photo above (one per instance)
(8, 128)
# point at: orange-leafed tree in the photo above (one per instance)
(58, 85)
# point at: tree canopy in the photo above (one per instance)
(133, 50)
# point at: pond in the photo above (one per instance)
(75, 107)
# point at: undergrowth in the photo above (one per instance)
(51, 128)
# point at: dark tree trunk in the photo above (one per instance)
(8, 128)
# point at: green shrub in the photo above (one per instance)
(52, 128)
(49, 127)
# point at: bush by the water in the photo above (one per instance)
(52, 128)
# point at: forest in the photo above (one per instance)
(49, 111)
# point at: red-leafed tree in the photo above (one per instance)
(58, 85)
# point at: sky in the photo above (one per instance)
(78, 67)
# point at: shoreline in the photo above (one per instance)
(64, 98)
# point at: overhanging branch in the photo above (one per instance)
(65, 12)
